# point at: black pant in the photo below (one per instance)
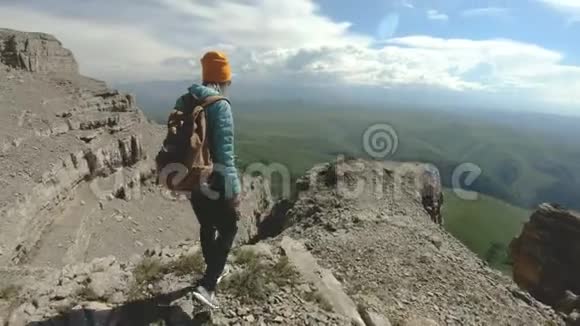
(218, 228)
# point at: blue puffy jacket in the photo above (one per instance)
(221, 125)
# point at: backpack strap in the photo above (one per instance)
(211, 100)
(190, 102)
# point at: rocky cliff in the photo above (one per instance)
(545, 258)
(58, 134)
(77, 171)
(35, 52)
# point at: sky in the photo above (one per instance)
(515, 50)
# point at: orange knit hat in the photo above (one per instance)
(215, 67)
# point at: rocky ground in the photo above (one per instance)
(397, 261)
(263, 289)
(339, 261)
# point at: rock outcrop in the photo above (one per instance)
(432, 194)
(328, 287)
(35, 52)
(545, 257)
(389, 256)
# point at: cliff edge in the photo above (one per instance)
(545, 258)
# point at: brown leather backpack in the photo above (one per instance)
(184, 162)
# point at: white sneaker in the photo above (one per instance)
(226, 272)
(206, 297)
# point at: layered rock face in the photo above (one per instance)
(546, 257)
(68, 144)
(432, 194)
(35, 52)
(77, 179)
(57, 135)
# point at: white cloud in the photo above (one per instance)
(433, 14)
(292, 41)
(569, 8)
(407, 4)
(457, 64)
(486, 12)
(126, 50)
(563, 4)
(263, 23)
(496, 63)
